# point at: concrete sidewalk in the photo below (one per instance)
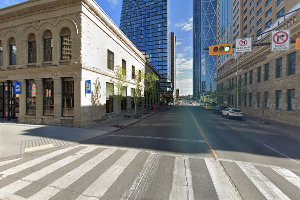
(18, 138)
(285, 129)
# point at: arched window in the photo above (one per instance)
(1, 54)
(31, 48)
(12, 51)
(66, 44)
(48, 45)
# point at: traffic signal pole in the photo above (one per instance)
(237, 83)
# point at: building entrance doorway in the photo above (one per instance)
(9, 102)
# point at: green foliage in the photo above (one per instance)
(120, 82)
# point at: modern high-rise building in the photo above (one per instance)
(224, 27)
(205, 35)
(196, 48)
(173, 62)
(253, 17)
(146, 24)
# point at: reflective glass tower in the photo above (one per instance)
(146, 24)
(205, 26)
(196, 49)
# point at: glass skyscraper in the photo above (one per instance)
(224, 26)
(205, 35)
(146, 24)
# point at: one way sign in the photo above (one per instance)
(281, 40)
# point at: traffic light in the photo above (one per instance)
(221, 49)
(297, 45)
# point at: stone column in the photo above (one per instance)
(57, 99)
(39, 100)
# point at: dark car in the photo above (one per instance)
(218, 109)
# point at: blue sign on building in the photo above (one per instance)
(88, 87)
(18, 88)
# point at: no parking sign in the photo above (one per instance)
(281, 40)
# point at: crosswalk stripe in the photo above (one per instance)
(103, 183)
(288, 175)
(144, 180)
(222, 184)
(182, 180)
(262, 183)
(72, 176)
(22, 183)
(31, 163)
(9, 161)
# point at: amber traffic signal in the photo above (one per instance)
(221, 49)
(297, 45)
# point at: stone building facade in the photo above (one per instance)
(59, 60)
(266, 83)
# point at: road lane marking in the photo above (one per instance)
(229, 125)
(157, 138)
(69, 178)
(7, 196)
(31, 163)
(262, 183)
(9, 161)
(182, 187)
(281, 153)
(288, 175)
(22, 183)
(222, 184)
(214, 154)
(105, 181)
(144, 180)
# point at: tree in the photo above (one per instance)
(138, 89)
(151, 81)
(96, 97)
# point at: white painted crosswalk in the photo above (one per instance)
(16, 181)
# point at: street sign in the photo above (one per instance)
(281, 40)
(88, 87)
(18, 88)
(243, 45)
(297, 45)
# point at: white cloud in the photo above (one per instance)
(178, 43)
(186, 26)
(114, 2)
(185, 86)
(183, 63)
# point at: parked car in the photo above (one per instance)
(233, 113)
(218, 109)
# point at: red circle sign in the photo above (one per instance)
(280, 37)
(243, 42)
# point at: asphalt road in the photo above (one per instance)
(183, 153)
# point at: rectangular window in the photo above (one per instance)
(266, 100)
(48, 96)
(258, 2)
(48, 47)
(12, 54)
(245, 78)
(30, 97)
(258, 74)
(278, 73)
(268, 2)
(110, 60)
(251, 77)
(252, 11)
(267, 72)
(278, 2)
(291, 68)
(124, 67)
(259, 21)
(252, 20)
(259, 12)
(109, 97)
(251, 3)
(258, 99)
(278, 95)
(291, 100)
(66, 48)
(258, 32)
(269, 12)
(268, 24)
(133, 72)
(32, 52)
(250, 99)
(1, 56)
(67, 97)
(280, 13)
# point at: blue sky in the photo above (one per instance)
(181, 24)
